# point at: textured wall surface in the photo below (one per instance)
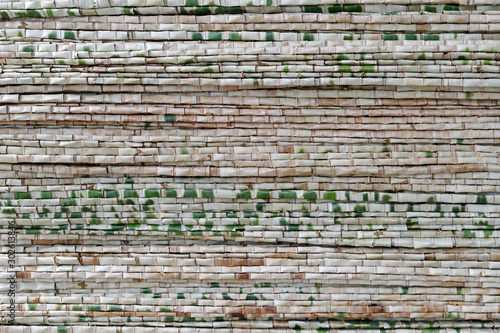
(276, 165)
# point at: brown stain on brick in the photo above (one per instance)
(495, 256)
(252, 310)
(237, 315)
(278, 255)
(285, 149)
(42, 242)
(298, 275)
(230, 262)
(255, 262)
(23, 275)
(270, 309)
(88, 260)
(376, 309)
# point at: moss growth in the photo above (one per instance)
(313, 9)
(359, 210)
(200, 11)
(353, 8)
(469, 234)
(234, 36)
(207, 193)
(229, 10)
(190, 193)
(175, 227)
(69, 202)
(33, 13)
(310, 196)
(169, 118)
(330, 195)
(152, 193)
(410, 223)
(431, 37)
(215, 35)
(69, 35)
(130, 194)
(430, 9)
(287, 194)
(451, 7)
(22, 195)
(170, 193)
(481, 199)
(199, 215)
(115, 308)
(94, 307)
(251, 297)
(335, 9)
(197, 36)
(263, 194)
(95, 194)
(111, 193)
(269, 36)
(28, 49)
(244, 195)
(368, 68)
(391, 37)
(411, 37)
(308, 37)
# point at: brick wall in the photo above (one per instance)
(267, 166)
